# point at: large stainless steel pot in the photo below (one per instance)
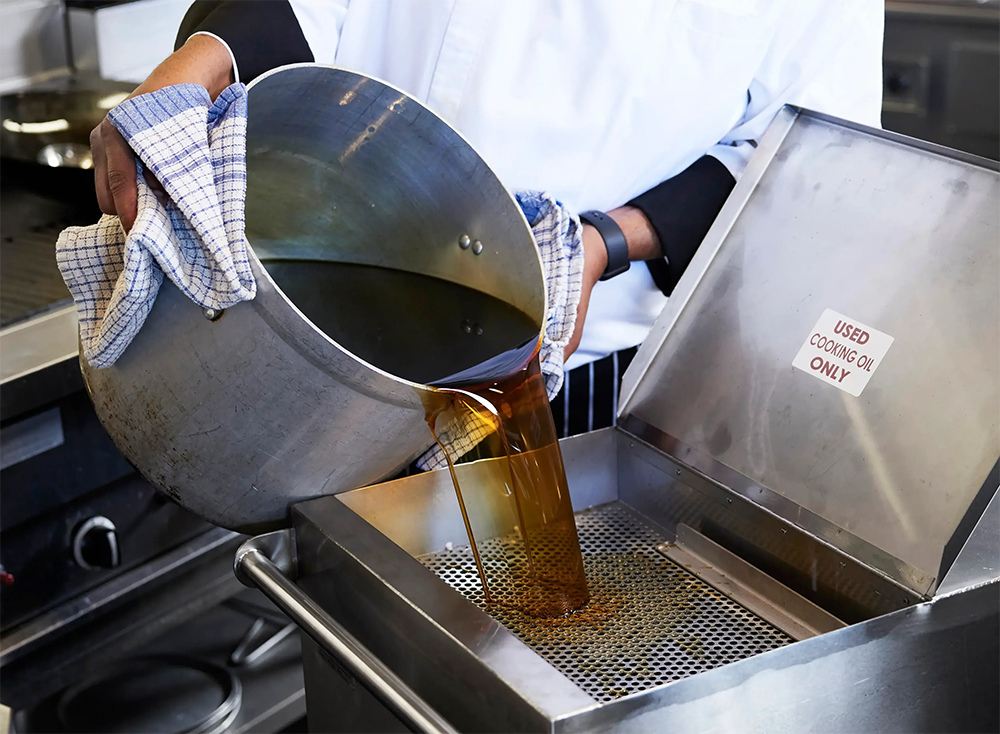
(237, 417)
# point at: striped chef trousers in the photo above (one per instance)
(589, 396)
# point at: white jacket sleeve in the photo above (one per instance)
(321, 22)
(826, 56)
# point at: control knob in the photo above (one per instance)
(95, 544)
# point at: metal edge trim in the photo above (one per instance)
(68, 312)
(768, 146)
(893, 137)
(39, 367)
(743, 573)
(941, 11)
(909, 578)
(22, 640)
(22, 325)
(968, 524)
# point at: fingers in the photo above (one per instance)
(114, 173)
(155, 186)
(104, 199)
(121, 174)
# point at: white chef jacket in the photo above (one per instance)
(598, 101)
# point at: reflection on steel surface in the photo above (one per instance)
(899, 235)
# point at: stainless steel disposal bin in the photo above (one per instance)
(794, 527)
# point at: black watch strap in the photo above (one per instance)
(614, 241)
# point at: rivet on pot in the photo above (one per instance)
(214, 314)
(477, 247)
(464, 242)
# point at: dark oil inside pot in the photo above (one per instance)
(482, 355)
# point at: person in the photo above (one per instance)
(645, 111)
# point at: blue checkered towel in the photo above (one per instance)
(558, 236)
(197, 150)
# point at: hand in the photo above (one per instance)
(595, 260)
(643, 244)
(202, 60)
(114, 173)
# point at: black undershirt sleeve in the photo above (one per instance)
(262, 34)
(681, 211)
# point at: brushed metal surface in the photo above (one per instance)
(238, 417)
(671, 494)
(931, 666)
(896, 234)
(421, 513)
(726, 572)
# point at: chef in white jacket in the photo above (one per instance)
(645, 111)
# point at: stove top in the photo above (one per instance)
(36, 204)
(75, 514)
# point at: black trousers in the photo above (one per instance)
(589, 396)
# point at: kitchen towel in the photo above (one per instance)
(196, 149)
(558, 235)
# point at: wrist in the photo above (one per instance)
(595, 255)
(202, 60)
(643, 242)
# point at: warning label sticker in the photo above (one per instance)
(842, 352)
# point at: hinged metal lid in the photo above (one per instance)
(833, 350)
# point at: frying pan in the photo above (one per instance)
(52, 127)
(45, 135)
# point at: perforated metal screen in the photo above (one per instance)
(649, 621)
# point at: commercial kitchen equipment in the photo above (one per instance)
(766, 551)
(793, 526)
(93, 560)
(51, 124)
(941, 72)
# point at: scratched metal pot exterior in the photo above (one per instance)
(238, 417)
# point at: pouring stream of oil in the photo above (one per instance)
(514, 414)
(482, 356)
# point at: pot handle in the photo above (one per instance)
(263, 562)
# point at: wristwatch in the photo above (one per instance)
(614, 241)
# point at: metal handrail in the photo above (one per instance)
(254, 567)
